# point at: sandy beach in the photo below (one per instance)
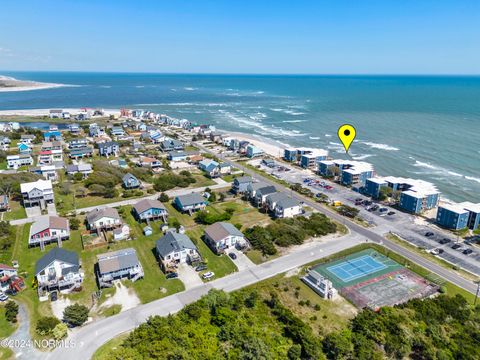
(9, 84)
(45, 112)
(270, 147)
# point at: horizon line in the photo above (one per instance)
(245, 73)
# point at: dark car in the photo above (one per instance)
(375, 207)
(391, 213)
(444, 241)
(53, 296)
(382, 210)
(172, 275)
(456, 246)
(467, 251)
(440, 251)
(201, 267)
(232, 255)
(429, 234)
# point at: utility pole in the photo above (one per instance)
(478, 290)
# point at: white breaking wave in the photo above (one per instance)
(442, 171)
(293, 121)
(328, 135)
(139, 86)
(288, 111)
(105, 86)
(380, 146)
(473, 178)
(190, 88)
(314, 137)
(362, 157)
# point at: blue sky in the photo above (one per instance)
(323, 37)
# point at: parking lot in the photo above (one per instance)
(382, 218)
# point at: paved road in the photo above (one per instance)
(91, 337)
(355, 228)
(171, 193)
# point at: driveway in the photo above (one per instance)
(242, 261)
(33, 211)
(189, 276)
(51, 209)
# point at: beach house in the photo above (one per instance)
(210, 167)
(171, 145)
(4, 143)
(81, 152)
(46, 229)
(4, 203)
(222, 235)
(118, 265)
(174, 248)
(103, 219)
(130, 181)
(24, 148)
(37, 193)
(55, 113)
(148, 209)
(177, 156)
(16, 161)
(77, 143)
(262, 193)
(82, 168)
(253, 151)
(287, 207)
(240, 184)
(58, 270)
(109, 148)
(27, 139)
(48, 157)
(52, 135)
(190, 202)
(74, 129)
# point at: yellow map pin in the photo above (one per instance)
(346, 134)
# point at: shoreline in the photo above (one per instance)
(10, 84)
(46, 112)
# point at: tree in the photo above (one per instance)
(11, 311)
(347, 211)
(295, 352)
(75, 314)
(163, 197)
(60, 331)
(74, 223)
(78, 177)
(46, 324)
(65, 188)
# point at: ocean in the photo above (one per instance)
(424, 127)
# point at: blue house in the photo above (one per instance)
(148, 209)
(52, 135)
(416, 202)
(79, 153)
(253, 151)
(459, 216)
(177, 156)
(24, 148)
(210, 167)
(351, 173)
(290, 155)
(171, 144)
(240, 184)
(190, 202)
(130, 182)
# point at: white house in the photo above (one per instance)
(103, 219)
(222, 235)
(288, 207)
(47, 229)
(37, 193)
(174, 248)
(16, 161)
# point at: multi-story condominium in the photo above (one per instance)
(16, 161)
(77, 143)
(416, 195)
(310, 160)
(37, 193)
(349, 172)
(51, 145)
(253, 151)
(81, 152)
(117, 265)
(459, 216)
(58, 270)
(46, 229)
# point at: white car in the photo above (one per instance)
(208, 275)
(3, 297)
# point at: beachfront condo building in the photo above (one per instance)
(416, 196)
(459, 216)
(348, 172)
(305, 157)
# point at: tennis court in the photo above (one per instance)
(353, 269)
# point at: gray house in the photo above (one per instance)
(222, 235)
(171, 144)
(262, 193)
(240, 184)
(38, 193)
(190, 202)
(108, 148)
(174, 248)
(130, 182)
(117, 265)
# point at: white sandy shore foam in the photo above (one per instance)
(46, 112)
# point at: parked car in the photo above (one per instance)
(444, 241)
(456, 246)
(201, 267)
(208, 275)
(232, 255)
(3, 297)
(467, 251)
(429, 234)
(391, 213)
(172, 275)
(383, 210)
(375, 207)
(53, 296)
(436, 251)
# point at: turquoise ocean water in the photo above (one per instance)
(424, 127)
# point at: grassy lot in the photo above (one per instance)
(264, 174)
(202, 180)
(3, 165)
(6, 328)
(17, 211)
(431, 257)
(103, 352)
(110, 310)
(257, 257)
(324, 316)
